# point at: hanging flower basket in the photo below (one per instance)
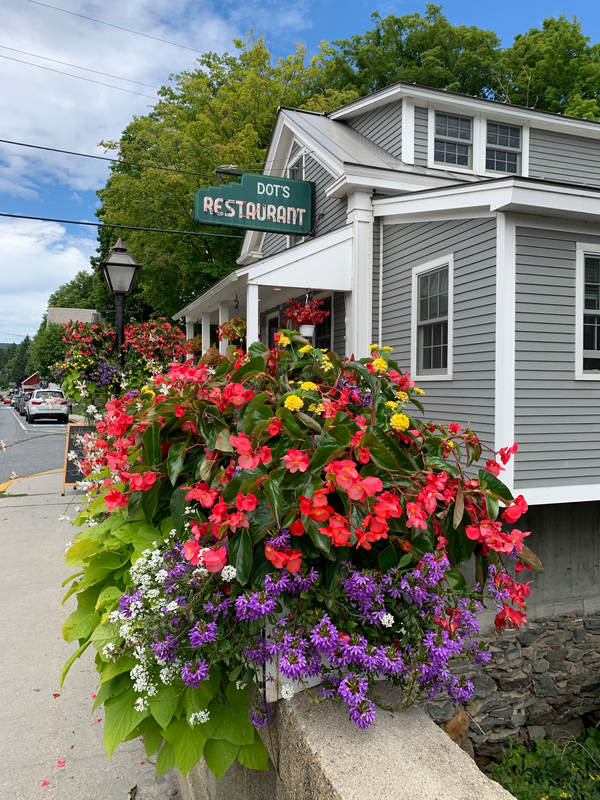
(300, 315)
(233, 329)
(307, 330)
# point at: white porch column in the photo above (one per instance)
(205, 331)
(359, 307)
(223, 317)
(189, 328)
(252, 315)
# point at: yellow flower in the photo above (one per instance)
(306, 349)
(307, 386)
(402, 396)
(373, 347)
(324, 349)
(419, 391)
(564, 794)
(326, 364)
(317, 408)
(283, 340)
(387, 348)
(391, 404)
(293, 403)
(147, 390)
(400, 422)
(380, 365)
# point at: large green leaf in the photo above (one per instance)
(195, 700)
(249, 369)
(81, 551)
(456, 580)
(120, 718)
(82, 622)
(178, 509)
(175, 461)
(260, 519)
(229, 723)
(289, 424)
(151, 442)
(240, 554)
(150, 501)
(164, 704)
(494, 485)
(103, 634)
(255, 755)
(461, 546)
(188, 743)
(222, 442)
(272, 490)
(71, 660)
(165, 760)
(319, 539)
(219, 755)
(327, 449)
(380, 453)
(257, 401)
(108, 595)
(111, 669)
(153, 738)
(112, 688)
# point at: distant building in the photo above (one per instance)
(61, 316)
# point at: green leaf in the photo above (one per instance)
(333, 570)
(226, 723)
(314, 426)
(81, 551)
(495, 485)
(317, 538)
(248, 370)
(260, 519)
(529, 557)
(135, 498)
(120, 718)
(151, 442)
(327, 449)
(82, 622)
(71, 660)
(240, 554)
(274, 494)
(392, 557)
(219, 756)
(150, 501)
(164, 704)
(237, 698)
(165, 759)
(188, 743)
(178, 509)
(103, 634)
(222, 442)
(108, 595)
(257, 349)
(289, 423)
(493, 505)
(456, 580)
(195, 700)
(112, 688)
(153, 738)
(255, 755)
(460, 545)
(175, 461)
(380, 453)
(459, 507)
(257, 401)
(111, 669)
(434, 461)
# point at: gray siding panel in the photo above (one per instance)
(557, 419)
(339, 324)
(421, 121)
(469, 397)
(564, 157)
(383, 126)
(375, 300)
(330, 211)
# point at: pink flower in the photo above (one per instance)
(512, 513)
(242, 444)
(204, 494)
(246, 502)
(493, 467)
(296, 460)
(214, 560)
(363, 488)
(415, 516)
(115, 499)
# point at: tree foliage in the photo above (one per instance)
(47, 348)
(16, 367)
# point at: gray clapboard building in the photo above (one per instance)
(465, 234)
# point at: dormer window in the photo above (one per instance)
(453, 140)
(503, 148)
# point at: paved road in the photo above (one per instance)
(40, 724)
(33, 448)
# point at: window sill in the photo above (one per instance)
(588, 376)
(428, 378)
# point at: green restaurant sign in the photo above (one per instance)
(258, 203)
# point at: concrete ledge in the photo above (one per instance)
(319, 755)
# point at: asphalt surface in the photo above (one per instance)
(48, 734)
(31, 448)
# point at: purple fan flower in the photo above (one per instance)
(194, 673)
(329, 687)
(362, 714)
(281, 542)
(260, 714)
(293, 664)
(276, 584)
(352, 689)
(259, 653)
(254, 607)
(324, 636)
(218, 605)
(303, 584)
(129, 603)
(166, 649)
(202, 633)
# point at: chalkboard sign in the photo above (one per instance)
(72, 472)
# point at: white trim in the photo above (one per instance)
(223, 317)
(525, 151)
(419, 269)
(542, 495)
(582, 249)
(408, 130)
(205, 330)
(504, 394)
(324, 296)
(252, 314)
(189, 328)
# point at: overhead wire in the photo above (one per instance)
(118, 27)
(122, 227)
(79, 77)
(76, 66)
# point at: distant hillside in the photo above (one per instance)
(5, 345)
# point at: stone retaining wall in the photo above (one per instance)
(543, 681)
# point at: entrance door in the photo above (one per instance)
(272, 328)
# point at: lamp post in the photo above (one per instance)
(119, 270)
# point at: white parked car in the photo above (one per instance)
(47, 404)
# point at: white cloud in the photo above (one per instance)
(36, 258)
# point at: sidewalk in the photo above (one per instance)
(36, 729)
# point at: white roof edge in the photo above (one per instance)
(222, 284)
(547, 119)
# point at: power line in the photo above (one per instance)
(118, 27)
(79, 77)
(66, 64)
(20, 335)
(123, 227)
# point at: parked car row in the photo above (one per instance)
(41, 404)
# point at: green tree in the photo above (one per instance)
(16, 368)
(426, 49)
(47, 348)
(76, 293)
(220, 113)
(554, 68)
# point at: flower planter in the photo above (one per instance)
(307, 330)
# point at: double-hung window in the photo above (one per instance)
(503, 148)
(453, 142)
(432, 318)
(591, 313)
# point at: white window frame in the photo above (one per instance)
(429, 266)
(273, 315)
(583, 249)
(301, 155)
(503, 149)
(479, 142)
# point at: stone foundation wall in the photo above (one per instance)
(543, 681)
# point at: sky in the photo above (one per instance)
(43, 107)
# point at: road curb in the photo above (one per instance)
(8, 484)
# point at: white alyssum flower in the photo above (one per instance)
(287, 691)
(172, 606)
(161, 576)
(114, 616)
(168, 673)
(200, 572)
(199, 716)
(189, 509)
(387, 620)
(228, 573)
(140, 704)
(125, 630)
(239, 685)
(72, 456)
(109, 650)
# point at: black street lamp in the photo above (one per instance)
(119, 271)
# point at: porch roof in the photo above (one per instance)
(319, 264)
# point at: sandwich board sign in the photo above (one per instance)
(258, 203)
